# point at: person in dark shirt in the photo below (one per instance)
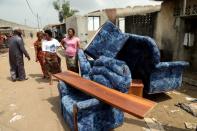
(16, 52)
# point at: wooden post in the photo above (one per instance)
(75, 111)
(136, 88)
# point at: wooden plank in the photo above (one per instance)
(131, 104)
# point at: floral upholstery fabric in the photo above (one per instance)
(111, 73)
(108, 41)
(166, 76)
(93, 115)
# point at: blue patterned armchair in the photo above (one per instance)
(93, 115)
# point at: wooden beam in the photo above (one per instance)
(131, 104)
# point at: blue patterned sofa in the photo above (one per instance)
(142, 55)
(143, 58)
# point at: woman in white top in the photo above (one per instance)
(51, 59)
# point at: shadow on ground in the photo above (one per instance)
(38, 78)
(9, 78)
(160, 97)
(55, 102)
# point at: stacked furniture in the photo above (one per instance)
(118, 58)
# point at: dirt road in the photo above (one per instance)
(33, 102)
(33, 105)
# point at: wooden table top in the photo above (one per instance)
(131, 104)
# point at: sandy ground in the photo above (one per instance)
(36, 103)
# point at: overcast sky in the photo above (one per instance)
(18, 11)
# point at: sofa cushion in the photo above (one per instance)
(102, 80)
(108, 41)
(111, 73)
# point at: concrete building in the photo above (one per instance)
(12, 25)
(87, 25)
(177, 31)
(58, 30)
(141, 20)
(79, 24)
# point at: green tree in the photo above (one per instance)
(64, 9)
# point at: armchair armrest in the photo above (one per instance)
(88, 104)
(174, 64)
(167, 76)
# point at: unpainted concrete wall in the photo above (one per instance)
(103, 19)
(79, 24)
(170, 31)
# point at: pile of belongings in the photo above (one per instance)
(190, 107)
